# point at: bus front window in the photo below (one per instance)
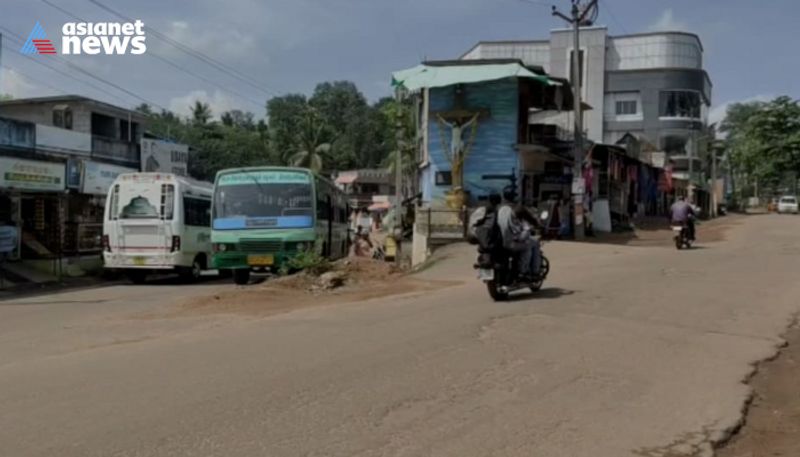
(259, 200)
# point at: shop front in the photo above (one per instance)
(32, 195)
(90, 182)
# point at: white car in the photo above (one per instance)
(787, 205)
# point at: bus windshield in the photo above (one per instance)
(285, 197)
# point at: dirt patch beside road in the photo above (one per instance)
(772, 425)
(656, 232)
(364, 280)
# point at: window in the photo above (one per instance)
(323, 208)
(113, 212)
(196, 212)
(680, 104)
(444, 178)
(167, 201)
(626, 107)
(62, 117)
(674, 144)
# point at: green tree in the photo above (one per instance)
(764, 140)
(400, 115)
(238, 118)
(201, 112)
(358, 126)
(285, 116)
(312, 150)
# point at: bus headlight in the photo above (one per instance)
(302, 246)
(222, 247)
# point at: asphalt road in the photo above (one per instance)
(629, 351)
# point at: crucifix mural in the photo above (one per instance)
(458, 120)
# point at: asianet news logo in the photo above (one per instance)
(110, 38)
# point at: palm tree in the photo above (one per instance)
(201, 112)
(311, 150)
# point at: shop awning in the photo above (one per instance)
(379, 206)
(427, 76)
(346, 179)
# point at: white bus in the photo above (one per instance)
(157, 222)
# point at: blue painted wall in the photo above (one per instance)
(492, 152)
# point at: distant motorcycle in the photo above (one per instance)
(681, 236)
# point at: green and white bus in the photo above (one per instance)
(263, 216)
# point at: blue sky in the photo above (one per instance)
(290, 45)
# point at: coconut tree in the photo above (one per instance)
(201, 112)
(312, 150)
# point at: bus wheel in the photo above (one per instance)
(241, 276)
(136, 276)
(193, 273)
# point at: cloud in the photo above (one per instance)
(667, 22)
(213, 39)
(218, 101)
(717, 113)
(18, 86)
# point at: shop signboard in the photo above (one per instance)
(98, 177)
(32, 175)
(164, 156)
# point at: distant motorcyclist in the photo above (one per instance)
(517, 227)
(682, 213)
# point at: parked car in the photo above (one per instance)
(787, 205)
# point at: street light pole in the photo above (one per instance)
(576, 18)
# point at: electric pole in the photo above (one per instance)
(578, 17)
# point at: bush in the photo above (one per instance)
(308, 261)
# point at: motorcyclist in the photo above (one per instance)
(682, 213)
(517, 227)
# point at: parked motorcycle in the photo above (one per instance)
(681, 236)
(498, 270)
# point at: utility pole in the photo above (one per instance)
(577, 18)
(1, 64)
(398, 174)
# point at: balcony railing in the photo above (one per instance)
(119, 151)
(547, 133)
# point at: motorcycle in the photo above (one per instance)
(498, 270)
(681, 236)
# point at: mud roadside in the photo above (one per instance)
(772, 425)
(364, 280)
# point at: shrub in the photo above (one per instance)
(308, 261)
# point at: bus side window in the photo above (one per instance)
(322, 209)
(167, 201)
(113, 213)
(197, 212)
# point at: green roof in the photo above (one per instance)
(427, 76)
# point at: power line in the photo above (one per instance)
(537, 2)
(34, 79)
(167, 61)
(614, 17)
(51, 67)
(194, 53)
(93, 76)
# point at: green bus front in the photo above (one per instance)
(261, 218)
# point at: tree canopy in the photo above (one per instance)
(334, 129)
(764, 139)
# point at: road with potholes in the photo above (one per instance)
(637, 351)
